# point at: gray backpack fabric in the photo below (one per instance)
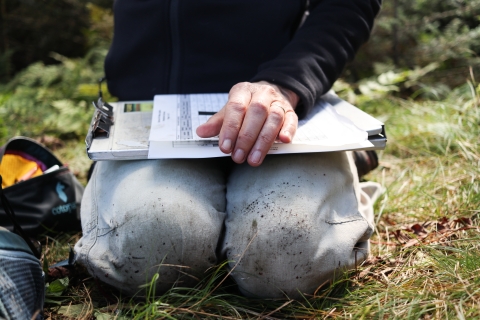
(22, 284)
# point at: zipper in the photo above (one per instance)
(306, 12)
(173, 81)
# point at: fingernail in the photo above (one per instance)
(227, 144)
(239, 155)
(256, 156)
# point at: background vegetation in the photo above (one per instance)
(417, 74)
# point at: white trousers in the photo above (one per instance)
(288, 226)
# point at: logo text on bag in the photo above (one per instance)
(64, 208)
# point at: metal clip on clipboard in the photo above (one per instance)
(102, 119)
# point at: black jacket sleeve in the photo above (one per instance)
(320, 49)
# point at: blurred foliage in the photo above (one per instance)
(55, 99)
(31, 29)
(411, 35)
(390, 82)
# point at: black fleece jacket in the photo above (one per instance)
(205, 46)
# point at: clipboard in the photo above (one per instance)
(120, 131)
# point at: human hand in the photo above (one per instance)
(253, 117)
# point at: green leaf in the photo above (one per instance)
(56, 287)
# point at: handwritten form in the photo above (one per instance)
(176, 118)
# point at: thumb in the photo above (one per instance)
(212, 127)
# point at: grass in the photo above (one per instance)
(431, 169)
(425, 261)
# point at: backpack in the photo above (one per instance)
(48, 199)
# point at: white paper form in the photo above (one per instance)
(324, 126)
(176, 118)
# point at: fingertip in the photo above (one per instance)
(200, 130)
(285, 136)
(289, 127)
(212, 127)
(226, 146)
(254, 164)
(207, 130)
(256, 156)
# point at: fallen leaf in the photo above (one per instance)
(419, 230)
(58, 272)
(401, 237)
(442, 231)
(464, 221)
(74, 310)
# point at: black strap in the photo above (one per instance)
(16, 227)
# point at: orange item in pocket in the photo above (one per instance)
(15, 168)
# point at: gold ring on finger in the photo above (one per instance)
(276, 105)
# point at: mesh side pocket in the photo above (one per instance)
(22, 288)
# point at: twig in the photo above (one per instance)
(278, 309)
(330, 313)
